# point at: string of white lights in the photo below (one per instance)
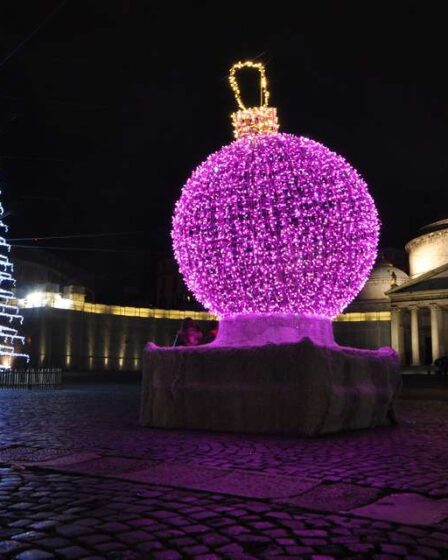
(10, 340)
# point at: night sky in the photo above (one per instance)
(107, 107)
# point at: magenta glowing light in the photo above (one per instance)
(275, 223)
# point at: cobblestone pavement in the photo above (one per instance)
(80, 479)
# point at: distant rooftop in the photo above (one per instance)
(435, 226)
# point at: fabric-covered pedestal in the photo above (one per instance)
(299, 388)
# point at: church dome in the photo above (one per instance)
(435, 226)
(428, 250)
(383, 277)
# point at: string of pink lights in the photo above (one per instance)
(275, 223)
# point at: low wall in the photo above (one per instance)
(297, 388)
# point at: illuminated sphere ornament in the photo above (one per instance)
(274, 223)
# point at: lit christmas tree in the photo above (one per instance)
(10, 318)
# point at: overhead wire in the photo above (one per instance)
(93, 249)
(26, 39)
(75, 236)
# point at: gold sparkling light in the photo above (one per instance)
(264, 92)
(56, 301)
(252, 120)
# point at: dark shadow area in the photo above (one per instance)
(425, 387)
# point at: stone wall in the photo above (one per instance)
(79, 341)
(362, 334)
(74, 340)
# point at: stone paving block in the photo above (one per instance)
(361, 548)
(73, 552)
(73, 530)
(21, 523)
(34, 554)
(109, 547)
(53, 542)
(429, 541)
(235, 530)
(334, 497)
(42, 525)
(298, 551)
(231, 549)
(197, 549)
(8, 532)
(134, 536)
(255, 485)
(313, 542)
(21, 454)
(406, 508)
(440, 535)
(70, 459)
(167, 555)
(112, 527)
(88, 521)
(179, 475)
(28, 536)
(108, 466)
(428, 552)
(22, 505)
(7, 546)
(89, 540)
(149, 547)
(195, 529)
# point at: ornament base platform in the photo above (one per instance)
(269, 375)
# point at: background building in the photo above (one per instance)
(65, 329)
(35, 267)
(365, 323)
(407, 312)
(171, 292)
(419, 321)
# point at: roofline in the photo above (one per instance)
(424, 236)
(419, 279)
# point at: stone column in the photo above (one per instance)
(435, 330)
(443, 331)
(396, 332)
(415, 337)
(42, 337)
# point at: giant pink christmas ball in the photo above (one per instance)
(275, 223)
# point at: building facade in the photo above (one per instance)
(419, 307)
(414, 307)
(366, 322)
(171, 291)
(37, 267)
(64, 330)
(407, 312)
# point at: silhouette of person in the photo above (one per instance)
(211, 335)
(393, 279)
(190, 334)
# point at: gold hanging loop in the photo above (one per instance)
(264, 92)
(252, 121)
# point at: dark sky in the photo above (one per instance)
(109, 105)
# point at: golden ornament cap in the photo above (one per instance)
(249, 121)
